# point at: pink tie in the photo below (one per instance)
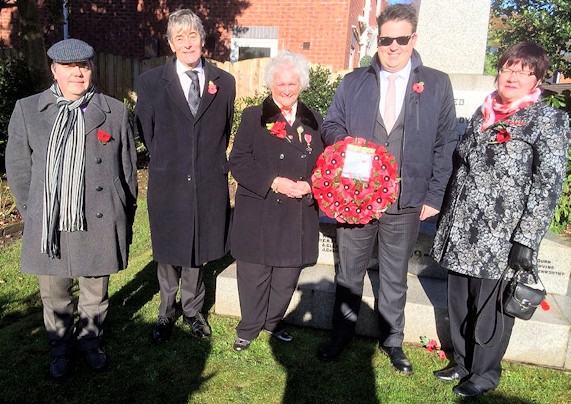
(390, 100)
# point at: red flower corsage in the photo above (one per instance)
(418, 87)
(278, 129)
(103, 137)
(502, 136)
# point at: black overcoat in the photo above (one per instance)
(269, 228)
(188, 201)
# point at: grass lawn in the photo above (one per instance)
(188, 370)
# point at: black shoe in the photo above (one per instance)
(59, 367)
(241, 344)
(95, 359)
(162, 329)
(198, 325)
(447, 375)
(332, 348)
(468, 389)
(282, 335)
(398, 358)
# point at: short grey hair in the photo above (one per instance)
(185, 19)
(286, 58)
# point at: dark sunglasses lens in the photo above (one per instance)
(387, 40)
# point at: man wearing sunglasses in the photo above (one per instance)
(409, 109)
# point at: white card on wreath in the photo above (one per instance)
(358, 162)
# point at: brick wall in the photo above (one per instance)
(136, 29)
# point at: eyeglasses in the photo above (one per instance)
(518, 73)
(387, 40)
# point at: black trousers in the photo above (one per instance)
(475, 316)
(265, 293)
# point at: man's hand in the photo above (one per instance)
(428, 211)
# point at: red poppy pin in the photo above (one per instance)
(418, 87)
(278, 129)
(212, 89)
(103, 136)
(502, 135)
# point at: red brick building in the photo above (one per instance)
(335, 33)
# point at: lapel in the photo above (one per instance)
(174, 89)
(95, 112)
(304, 119)
(211, 87)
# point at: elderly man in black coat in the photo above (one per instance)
(184, 113)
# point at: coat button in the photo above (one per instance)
(282, 156)
(279, 200)
(25, 207)
(386, 143)
(99, 215)
(99, 188)
(303, 156)
(98, 161)
(189, 178)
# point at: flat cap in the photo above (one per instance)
(70, 51)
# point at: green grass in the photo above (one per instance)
(189, 370)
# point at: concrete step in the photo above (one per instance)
(543, 340)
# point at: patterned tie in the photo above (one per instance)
(194, 91)
(390, 100)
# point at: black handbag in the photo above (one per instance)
(518, 300)
(521, 300)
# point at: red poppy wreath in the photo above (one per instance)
(355, 181)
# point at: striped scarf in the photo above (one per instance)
(65, 167)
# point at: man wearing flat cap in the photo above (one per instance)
(71, 164)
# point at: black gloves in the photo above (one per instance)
(521, 258)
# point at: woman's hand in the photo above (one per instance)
(292, 189)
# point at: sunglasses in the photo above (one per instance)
(387, 40)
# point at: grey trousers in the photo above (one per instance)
(58, 306)
(395, 235)
(192, 290)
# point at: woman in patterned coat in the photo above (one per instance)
(509, 168)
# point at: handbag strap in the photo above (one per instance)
(499, 284)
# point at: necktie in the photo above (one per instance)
(193, 92)
(390, 99)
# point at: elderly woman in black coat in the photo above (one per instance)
(509, 169)
(275, 228)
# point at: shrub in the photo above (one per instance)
(15, 83)
(322, 86)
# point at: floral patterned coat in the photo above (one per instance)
(502, 193)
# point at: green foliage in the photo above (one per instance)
(365, 61)
(322, 86)
(15, 83)
(546, 23)
(562, 218)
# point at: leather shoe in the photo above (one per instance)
(398, 358)
(332, 348)
(59, 367)
(241, 344)
(468, 389)
(198, 325)
(447, 375)
(162, 329)
(95, 359)
(282, 335)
